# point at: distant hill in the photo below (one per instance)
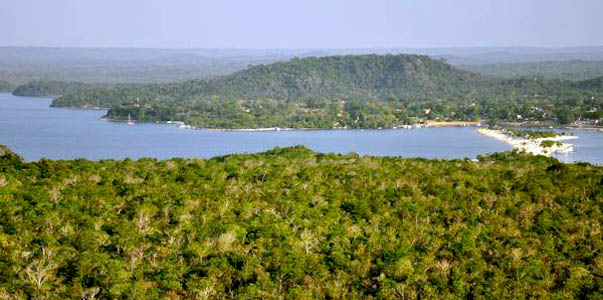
(351, 77)
(352, 91)
(366, 75)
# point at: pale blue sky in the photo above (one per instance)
(300, 24)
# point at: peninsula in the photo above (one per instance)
(337, 92)
(542, 143)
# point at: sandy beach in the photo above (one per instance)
(533, 146)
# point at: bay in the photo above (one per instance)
(34, 130)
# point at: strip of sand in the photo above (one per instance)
(534, 146)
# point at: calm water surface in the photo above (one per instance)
(34, 130)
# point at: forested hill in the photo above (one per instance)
(344, 75)
(5, 86)
(369, 76)
(362, 91)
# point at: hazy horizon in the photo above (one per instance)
(312, 24)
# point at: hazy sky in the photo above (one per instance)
(301, 24)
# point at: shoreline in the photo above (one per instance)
(428, 123)
(80, 108)
(433, 124)
(453, 123)
(183, 125)
(533, 146)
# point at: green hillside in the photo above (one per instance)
(294, 224)
(369, 76)
(342, 76)
(362, 91)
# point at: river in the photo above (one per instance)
(34, 130)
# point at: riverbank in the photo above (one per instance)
(409, 126)
(183, 125)
(35, 130)
(453, 123)
(539, 146)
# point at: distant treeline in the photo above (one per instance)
(363, 91)
(6, 87)
(574, 70)
(42, 88)
(20, 65)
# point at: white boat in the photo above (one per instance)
(130, 122)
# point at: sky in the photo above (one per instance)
(301, 24)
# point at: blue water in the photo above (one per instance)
(34, 130)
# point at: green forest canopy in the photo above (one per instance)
(294, 224)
